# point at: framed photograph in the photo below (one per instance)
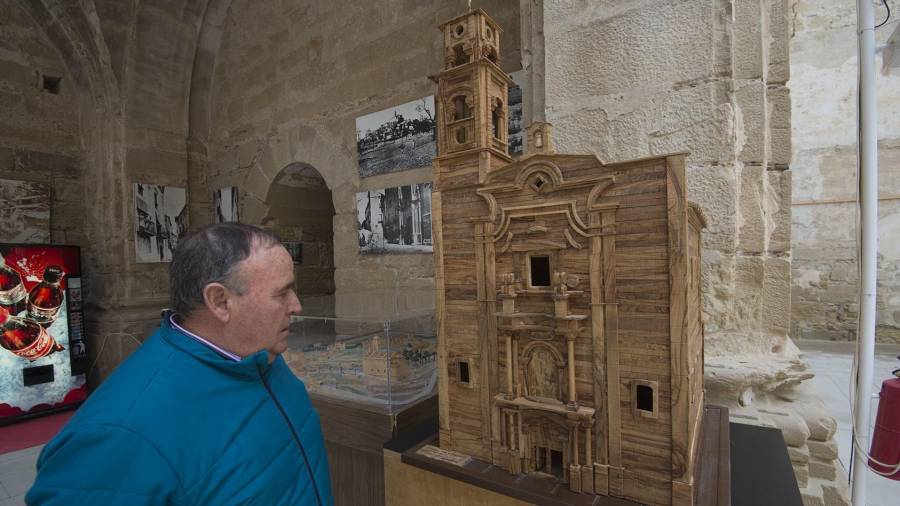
(516, 130)
(225, 203)
(160, 217)
(25, 213)
(395, 220)
(296, 251)
(395, 139)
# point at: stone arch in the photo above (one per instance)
(299, 209)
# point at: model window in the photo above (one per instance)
(540, 270)
(461, 135)
(461, 108)
(459, 56)
(463, 372)
(495, 120)
(645, 398)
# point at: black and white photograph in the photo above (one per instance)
(160, 219)
(395, 139)
(25, 212)
(516, 131)
(225, 201)
(395, 220)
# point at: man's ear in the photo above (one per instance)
(215, 297)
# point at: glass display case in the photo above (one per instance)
(382, 365)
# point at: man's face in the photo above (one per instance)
(261, 315)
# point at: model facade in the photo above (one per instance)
(568, 297)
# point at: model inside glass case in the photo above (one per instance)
(385, 364)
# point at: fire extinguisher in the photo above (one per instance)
(884, 458)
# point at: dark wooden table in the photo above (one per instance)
(761, 471)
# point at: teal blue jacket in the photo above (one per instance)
(179, 424)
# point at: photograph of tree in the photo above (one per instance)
(24, 212)
(395, 220)
(395, 139)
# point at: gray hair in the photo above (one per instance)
(211, 255)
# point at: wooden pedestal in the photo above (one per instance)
(354, 436)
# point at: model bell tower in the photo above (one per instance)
(472, 96)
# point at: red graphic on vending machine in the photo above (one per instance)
(43, 354)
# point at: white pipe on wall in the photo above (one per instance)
(868, 195)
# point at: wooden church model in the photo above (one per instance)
(568, 297)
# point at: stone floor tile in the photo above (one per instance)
(18, 500)
(18, 481)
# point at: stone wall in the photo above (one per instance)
(632, 79)
(628, 79)
(290, 79)
(39, 131)
(120, 118)
(823, 91)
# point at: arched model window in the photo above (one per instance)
(461, 108)
(645, 398)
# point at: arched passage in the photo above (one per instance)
(301, 213)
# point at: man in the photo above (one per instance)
(206, 411)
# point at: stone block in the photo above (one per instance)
(247, 153)
(585, 55)
(253, 210)
(715, 189)
(18, 75)
(823, 450)
(778, 38)
(718, 272)
(799, 454)
(751, 217)
(747, 43)
(60, 164)
(698, 119)
(149, 165)
(749, 278)
(802, 475)
(263, 102)
(812, 494)
(792, 426)
(778, 98)
(824, 469)
(777, 209)
(776, 295)
(752, 116)
(836, 493)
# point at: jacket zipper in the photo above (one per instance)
(287, 420)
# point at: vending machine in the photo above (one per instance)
(43, 353)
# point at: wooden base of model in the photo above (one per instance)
(568, 297)
(415, 471)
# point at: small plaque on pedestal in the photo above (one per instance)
(450, 457)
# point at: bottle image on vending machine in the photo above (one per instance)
(13, 296)
(25, 337)
(46, 297)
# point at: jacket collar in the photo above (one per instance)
(250, 367)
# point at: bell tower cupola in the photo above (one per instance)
(472, 93)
